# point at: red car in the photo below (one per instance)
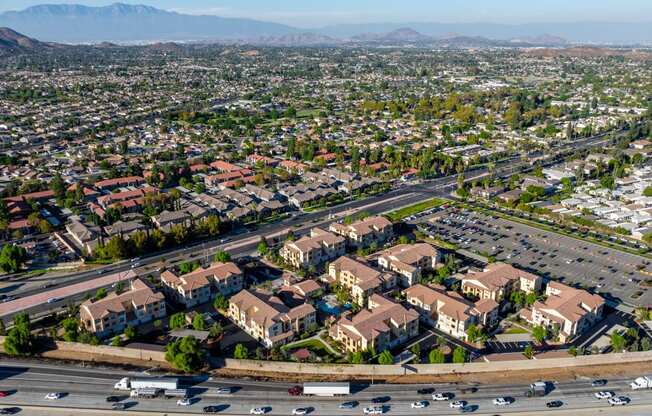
(295, 391)
(4, 393)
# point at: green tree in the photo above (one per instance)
(70, 329)
(12, 258)
(356, 358)
(530, 298)
(473, 333)
(131, 332)
(617, 342)
(528, 352)
(185, 354)
(262, 246)
(100, 293)
(241, 352)
(198, 322)
(436, 356)
(386, 358)
(539, 333)
(177, 321)
(459, 355)
(19, 339)
(188, 267)
(216, 330)
(222, 257)
(221, 303)
(572, 351)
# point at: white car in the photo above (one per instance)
(377, 410)
(440, 397)
(300, 411)
(458, 404)
(258, 411)
(223, 390)
(618, 401)
(603, 395)
(501, 401)
(419, 405)
(184, 402)
(53, 396)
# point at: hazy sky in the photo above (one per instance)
(312, 13)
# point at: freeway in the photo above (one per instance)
(402, 195)
(87, 388)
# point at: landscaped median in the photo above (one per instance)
(405, 212)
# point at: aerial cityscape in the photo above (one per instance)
(301, 208)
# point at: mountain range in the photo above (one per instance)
(122, 23)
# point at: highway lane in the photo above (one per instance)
(88, 387)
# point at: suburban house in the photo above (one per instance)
(266, 318)
(361, 280)
(570, 310)
(498, 280)
(384, 324)
(321, 246)
(449, 311)
(365, 232)
(409, 261)
(84, 236)
(200, 285)
(166, 219)
(112, 314)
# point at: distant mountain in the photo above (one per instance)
(400, 36)
(542, 40)
(131, 23)
(13, 42)
(297, 39)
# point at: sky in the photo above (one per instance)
(315, 13)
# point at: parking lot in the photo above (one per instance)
(614, 274)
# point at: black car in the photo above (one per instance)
(9, 410)
(381, 399)
(211, 409)
(348, 405)
(598, 383)
(112, 399)
(554, 404)
(428, 390)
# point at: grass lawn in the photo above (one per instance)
(314, 345)
(405, 212)
(515, 330)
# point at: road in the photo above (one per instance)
(402, 195)
(87, 388)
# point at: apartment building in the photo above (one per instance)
(361, 280)
(409, 261)
(200, 285)
(449, 311)
(571, 310)
(383, 325)
(266, 318)
(498, 280)
(112, 314)
(321, 246)
(365, 232)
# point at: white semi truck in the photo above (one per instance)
(163, 383)
(643, 382)
(326, 389)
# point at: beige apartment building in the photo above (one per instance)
(320, 247)
(365, 232)
(409, 261)
(200, 286)
(266, 318)
(361, 280)
(112, 314)
(498, 280)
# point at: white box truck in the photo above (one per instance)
(643, 382)
(164, 383)
(326, 389)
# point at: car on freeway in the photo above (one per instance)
(380, 399)
(9, 410)
(223, 390)
(603, 395)
(4, 393)
(599, 383)
(554, 404)
(212, 409)
(258, 411)
(502, 401)
(299, 411)
(53, 300)
(295, 391)
(426, 390)
(54, 396)
(422, 404)
(618, 401)
(119, 406)
(184, 402)
(457, 404)
(112, 399)
(440, 397)
(348, 405)
(376, 410)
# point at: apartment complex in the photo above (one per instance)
(571, 310)
(266, 318)
(361, 280)
(409, 261)
(200, 285)
(449, 311)
(321, 246)
(498, 280)
(383, 325)
(112, 314)
(373, 230)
